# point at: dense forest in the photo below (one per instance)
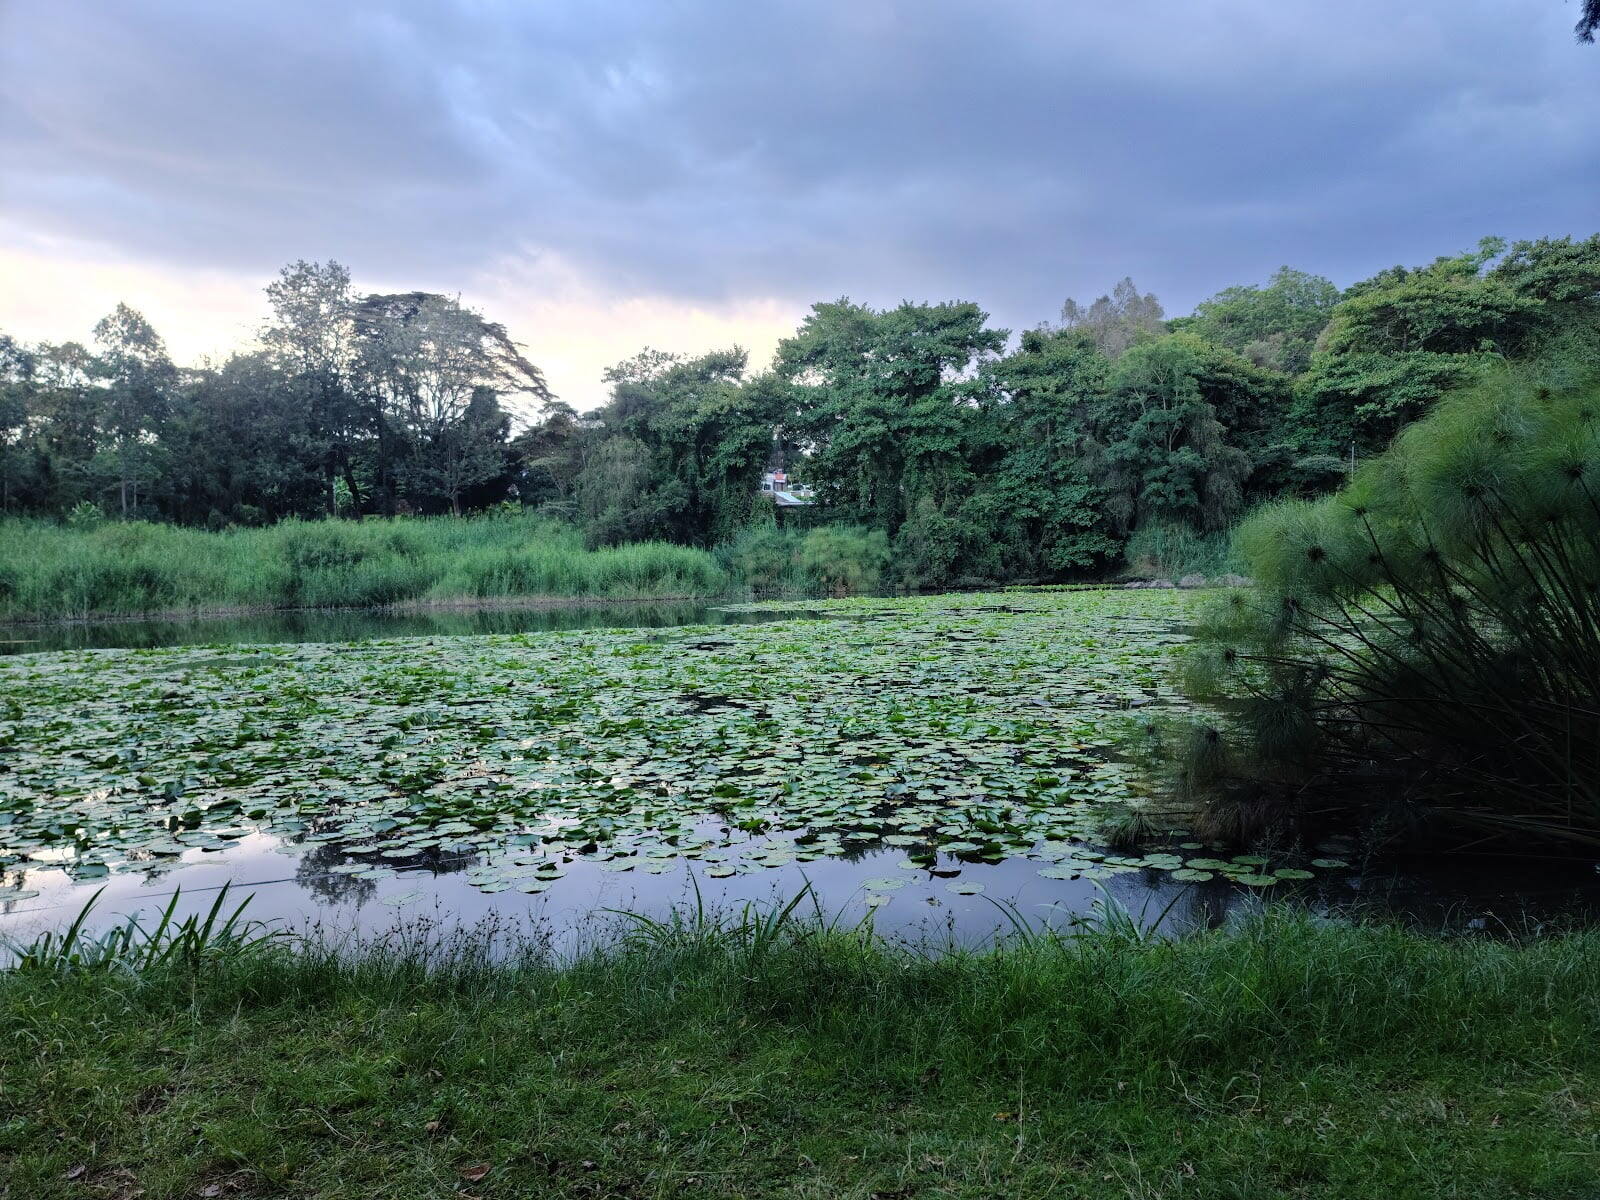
(1107, 437)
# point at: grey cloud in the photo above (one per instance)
(1009, 152)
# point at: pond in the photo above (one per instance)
(942, 764)
(351, 625)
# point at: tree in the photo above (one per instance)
(884, 401)
(17, 370)
(1399, 341)
(423, 360)
(134, 402)
(549, 457)
(311, 338)
(1274, 326)
(1116, 321)
(1169, 437)
(694, 435)
(1588, 20)
(241, 449)
(1038, 510)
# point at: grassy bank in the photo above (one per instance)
(50, 571)
(1280, 1059)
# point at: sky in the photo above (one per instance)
(601, 175)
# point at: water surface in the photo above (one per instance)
(354, 625)
(987, 719)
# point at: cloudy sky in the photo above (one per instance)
(603, 174)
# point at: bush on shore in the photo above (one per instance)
(1421, 659)
(831, 560)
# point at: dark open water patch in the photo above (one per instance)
(357, 625)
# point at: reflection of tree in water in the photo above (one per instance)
(314, 871)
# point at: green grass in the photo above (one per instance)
(1281, 1058)
(52, 571)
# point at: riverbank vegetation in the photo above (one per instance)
(1071, 451)
(763, 1057)
(1421, 658)
(97, 567)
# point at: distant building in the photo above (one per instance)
(784, 494)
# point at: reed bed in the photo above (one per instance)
(53, 572)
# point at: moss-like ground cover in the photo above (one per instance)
(1280, 1059)
(980, 726)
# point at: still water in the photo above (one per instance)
(301, 889)
(311, 887)
(353, 625)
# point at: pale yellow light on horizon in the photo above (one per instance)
(54, 290)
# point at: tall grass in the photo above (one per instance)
(1170, 551)
(51, 571)
(193, 942)
(833, 560)
(1277, 1057)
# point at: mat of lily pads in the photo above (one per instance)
(982, 726)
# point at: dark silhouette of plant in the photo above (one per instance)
(1589, 21)
(1422, 654)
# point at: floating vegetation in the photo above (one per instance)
(979, 727)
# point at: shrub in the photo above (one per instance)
(1170, 551)
(765, 558)
(1422, 654)
(845, 560)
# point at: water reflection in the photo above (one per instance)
(303, 888)
(322, 625)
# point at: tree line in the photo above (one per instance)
(976, 457)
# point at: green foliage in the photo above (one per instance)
(1274, 326)
(1171, 551)
(1406, 337)
(137, 567)
(1276, 1057)
(678, 452)
(978, 465)
(845, 560)
(1423, 653)
(883, 400)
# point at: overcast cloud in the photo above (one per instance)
(603, 173)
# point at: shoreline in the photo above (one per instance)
(405, 607)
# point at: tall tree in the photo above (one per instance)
(138, 381)
(17, 382)
(423, 360)
(311, 339)
(691, 436)
(1039, 510)
(1273, 326)
(1116, 321)
(884, 400)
